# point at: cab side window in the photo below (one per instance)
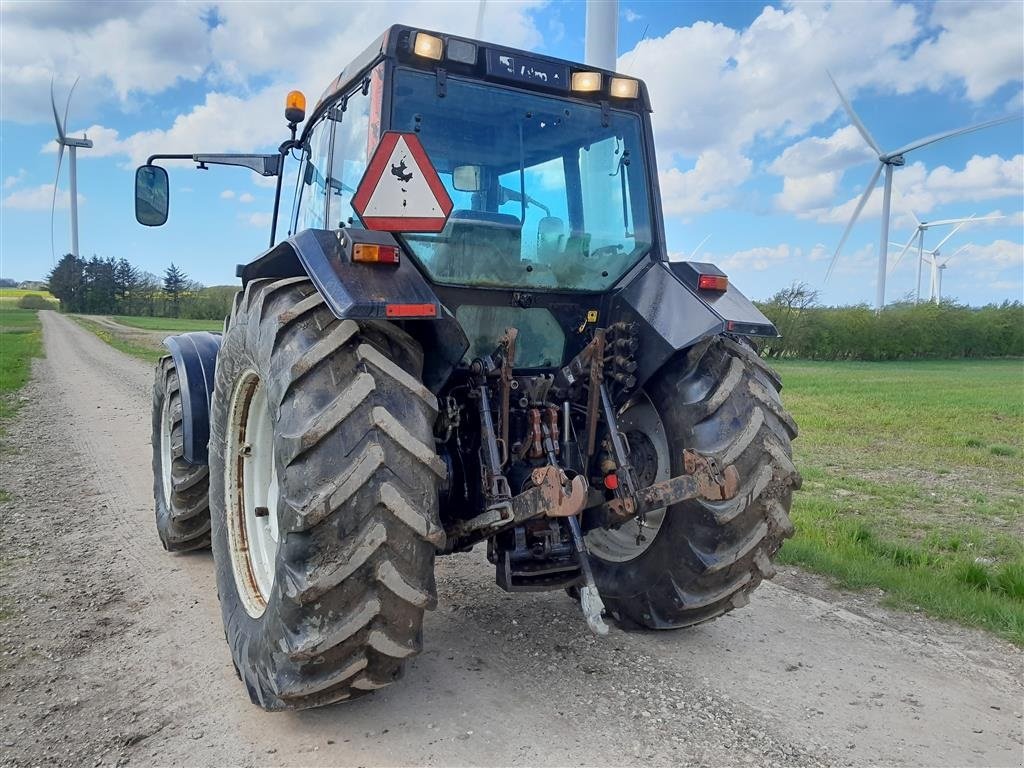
(351, 141)
(311, 200)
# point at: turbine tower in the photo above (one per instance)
(72, 144)
(888, 161)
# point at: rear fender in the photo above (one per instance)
(357, 291)
(674, 315)
(195, 360)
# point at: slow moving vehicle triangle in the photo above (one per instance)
(401, 191)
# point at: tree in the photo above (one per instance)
(175, 283)
(787, 309)
(67, 283)
(127, 281)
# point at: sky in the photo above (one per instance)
(759, 165)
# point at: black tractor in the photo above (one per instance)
(471, 334)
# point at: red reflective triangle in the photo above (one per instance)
(400, 190)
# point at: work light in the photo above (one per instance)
(427, 46)
(586, 81)
(624, 88)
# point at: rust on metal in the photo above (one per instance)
(507, 344)
(596, 360)
(702, 480)
(553, 493)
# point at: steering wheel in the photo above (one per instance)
(606, 250)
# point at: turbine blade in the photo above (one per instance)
(53, 202)
(964, 221)
(950, 134)
(916, 220)
(853, 219)
(917, 234)
(700, 245)
(951, 233)
(67, 106)
(853, 116)
(956, 253)
(56, 117)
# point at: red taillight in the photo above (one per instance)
(611, 481)
(410, 310)
(368, 253)
(713, 283)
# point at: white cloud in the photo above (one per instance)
(843, 149)
(977, 44)
(260, 220)
(245, 197)
(758, 259)
(38, 198)
(706, 186)
(15, 179)
(919, 190)
(630, 15)
(1001, 254)
(227, 194)
(768, 81)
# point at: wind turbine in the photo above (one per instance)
(73, 144)
(888, 161)
(935, 289)
(922, 227)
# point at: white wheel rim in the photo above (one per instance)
(251, 492)
(620, 544)
(166, 455)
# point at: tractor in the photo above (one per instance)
(470, 334)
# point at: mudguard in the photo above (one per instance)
(357, 291)
(195, 360)
(674, 314)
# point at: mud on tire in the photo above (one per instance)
(180, 489)
(357, 511)
(722, 400)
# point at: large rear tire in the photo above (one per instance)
(701, 559)
(180, 489)
(324, 497)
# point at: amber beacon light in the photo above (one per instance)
(295, 107)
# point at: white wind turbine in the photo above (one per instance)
(73, 144)
(924, 226)
(935, 289)
(888, 161)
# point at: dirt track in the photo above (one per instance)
(112, 651)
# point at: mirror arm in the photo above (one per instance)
(265, 165)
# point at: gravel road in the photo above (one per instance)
(113, 652)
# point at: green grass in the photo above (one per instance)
(913, 483)
(170, 324)
(149, 353)
(20, 341)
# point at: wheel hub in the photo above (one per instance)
(648, 454)
(252, 494)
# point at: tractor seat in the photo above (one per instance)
(481, 243)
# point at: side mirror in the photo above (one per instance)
(466, 178)
(151, 195)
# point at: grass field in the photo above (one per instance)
(914, 483)
(20, 341)
(169, 324)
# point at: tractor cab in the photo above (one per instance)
(549, 166)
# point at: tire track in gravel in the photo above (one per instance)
(803, 676)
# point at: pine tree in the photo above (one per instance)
(67, 283)
(175, 283)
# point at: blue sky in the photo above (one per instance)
(754, 149)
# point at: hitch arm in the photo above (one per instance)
(701, 480)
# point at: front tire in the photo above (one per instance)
(180, 489)
(706, 557)
(346, 518)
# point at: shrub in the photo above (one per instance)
(34, 301)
